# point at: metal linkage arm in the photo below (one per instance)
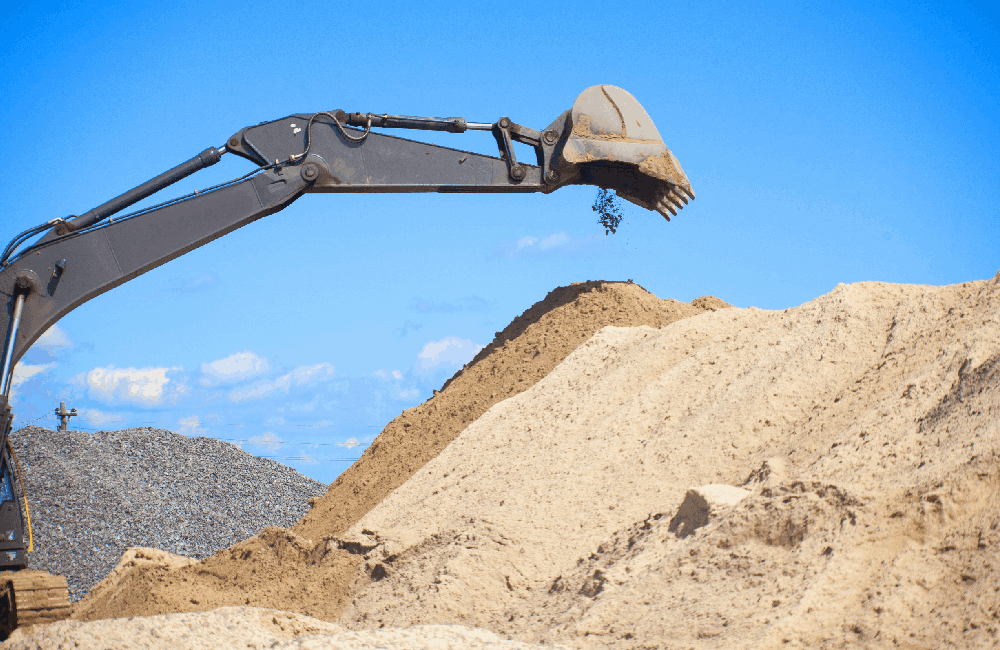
(341, 159)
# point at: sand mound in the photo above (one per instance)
(275, 569)
(524, 352)
(242, 628)
(288, 570)
(864, 423)
(228, 627)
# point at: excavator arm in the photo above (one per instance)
(606, 139)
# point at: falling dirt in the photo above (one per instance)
(300, 569)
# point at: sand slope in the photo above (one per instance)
(250, 628)
(525, 351)
(865, 423)
(300, 569)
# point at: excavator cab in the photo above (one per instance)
(12, 546)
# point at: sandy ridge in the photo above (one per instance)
(305, 569)
(865, 421)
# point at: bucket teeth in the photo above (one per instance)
(677, 199)
(666, 205)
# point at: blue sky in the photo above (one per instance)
(827, 143)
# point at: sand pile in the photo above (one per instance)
(864, 425)
(242, 628)
(524, 352)
(299, 569)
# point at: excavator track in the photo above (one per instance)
(31, 598)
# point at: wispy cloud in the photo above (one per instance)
(468, 303)
(531, 244)
(350, 443)
(449, 351)
(236, 367)
(407, 327)
(99, 418)
(190, 425)
(54, 339)
(140, 385)
(25, 371)
(195, 283)
(268, 441)
(300, 376)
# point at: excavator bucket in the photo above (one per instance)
(617, 147)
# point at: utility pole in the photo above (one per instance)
(64, 416)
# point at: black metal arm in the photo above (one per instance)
(83, 258)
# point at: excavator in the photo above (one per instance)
(606, 140)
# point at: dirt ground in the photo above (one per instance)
(301, 569)
(574, 504)
(250, 628)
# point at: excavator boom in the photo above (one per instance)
(606, 139)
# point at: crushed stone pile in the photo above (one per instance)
(94, 495)
(239, 628)
(255, 572)
(864, 425)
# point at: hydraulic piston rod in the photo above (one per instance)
(206, 158)
(8, 351)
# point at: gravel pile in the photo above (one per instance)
(94, 495)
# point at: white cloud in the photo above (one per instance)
(301, 376)
(235, 367)
(450, 350)
(531, 244)
(397, 374)
(195, 283)
(190, 425)
(143, 385)
(408, 394)
(53, 339)
(545, 243)
(99, 418)
(25, 371)
(350, 443)
(268, 441)
(553, 240)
